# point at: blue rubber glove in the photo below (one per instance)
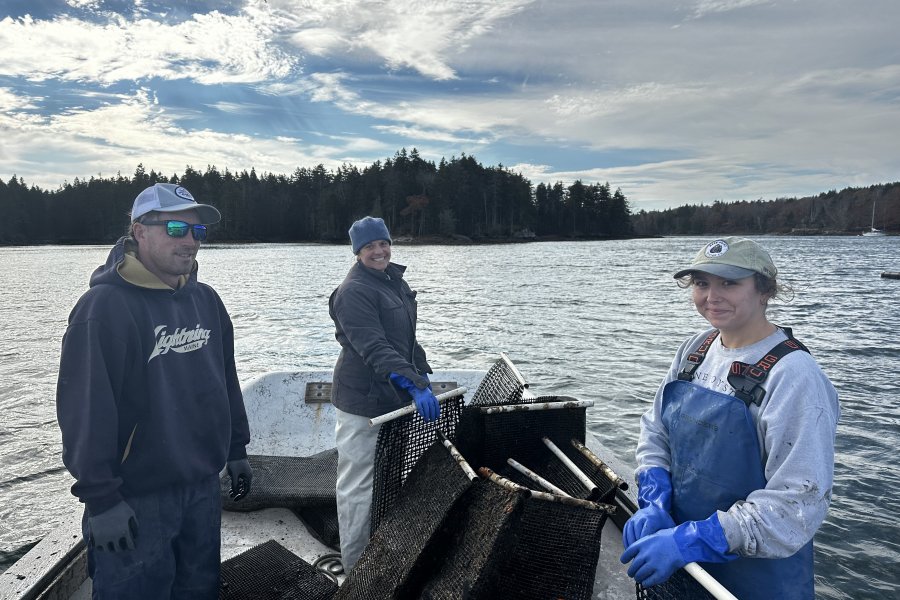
(655, 557)
(655, 502)
(114, 530)
(241, 475)
(426, 403)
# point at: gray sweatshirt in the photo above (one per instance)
(795, 426)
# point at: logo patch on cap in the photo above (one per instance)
(716, 248)
(183, 193)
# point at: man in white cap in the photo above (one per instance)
(150, 407)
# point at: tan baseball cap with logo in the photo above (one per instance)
(731, 258)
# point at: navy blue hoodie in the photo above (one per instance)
(148, 395)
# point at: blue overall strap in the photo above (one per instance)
(747, 379)
(693, 360)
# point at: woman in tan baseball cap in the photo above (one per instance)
(732, 280)
(736, 456)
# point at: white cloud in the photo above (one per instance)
(704, 7)
(423, 36)
(328, 87)
(230, 107)
(211, 49)
(10, 103)
(320, 40)
(134, 129)
(419, 133)
(784, 99)
(90, 4)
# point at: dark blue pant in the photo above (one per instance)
(176, 551)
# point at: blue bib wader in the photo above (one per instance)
(716, 462)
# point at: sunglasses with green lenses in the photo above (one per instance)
(180, 229)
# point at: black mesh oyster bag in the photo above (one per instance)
(401, 550)
(401, 442)
(304, 484)
(556, 550)
(270, 571)
(286, 482)
(475, 543)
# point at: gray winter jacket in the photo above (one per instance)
(374, 314)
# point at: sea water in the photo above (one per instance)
(594, 320)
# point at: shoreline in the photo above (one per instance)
(460, 240)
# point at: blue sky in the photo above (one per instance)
(673, 101)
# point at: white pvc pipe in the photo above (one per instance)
(584, 479)
(709, 582)
(534, 476)
(589, 504)
(458, 457)
(595, 460)
(556, 405)
(563, 499)
(412, 407)
(515, 371)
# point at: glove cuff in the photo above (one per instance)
(655, 488)
(408, 384)
(703, 541)
(401, 381)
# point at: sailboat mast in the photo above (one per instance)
(872, 231)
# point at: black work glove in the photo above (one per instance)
(241, 475)
(115, 529)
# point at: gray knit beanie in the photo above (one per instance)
(366, 231)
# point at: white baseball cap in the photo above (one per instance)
(168, 197)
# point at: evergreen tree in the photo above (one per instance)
(416, 198)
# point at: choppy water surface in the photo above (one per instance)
(594, 320)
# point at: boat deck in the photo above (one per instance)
(284, 423)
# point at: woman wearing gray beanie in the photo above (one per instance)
(381, 368)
